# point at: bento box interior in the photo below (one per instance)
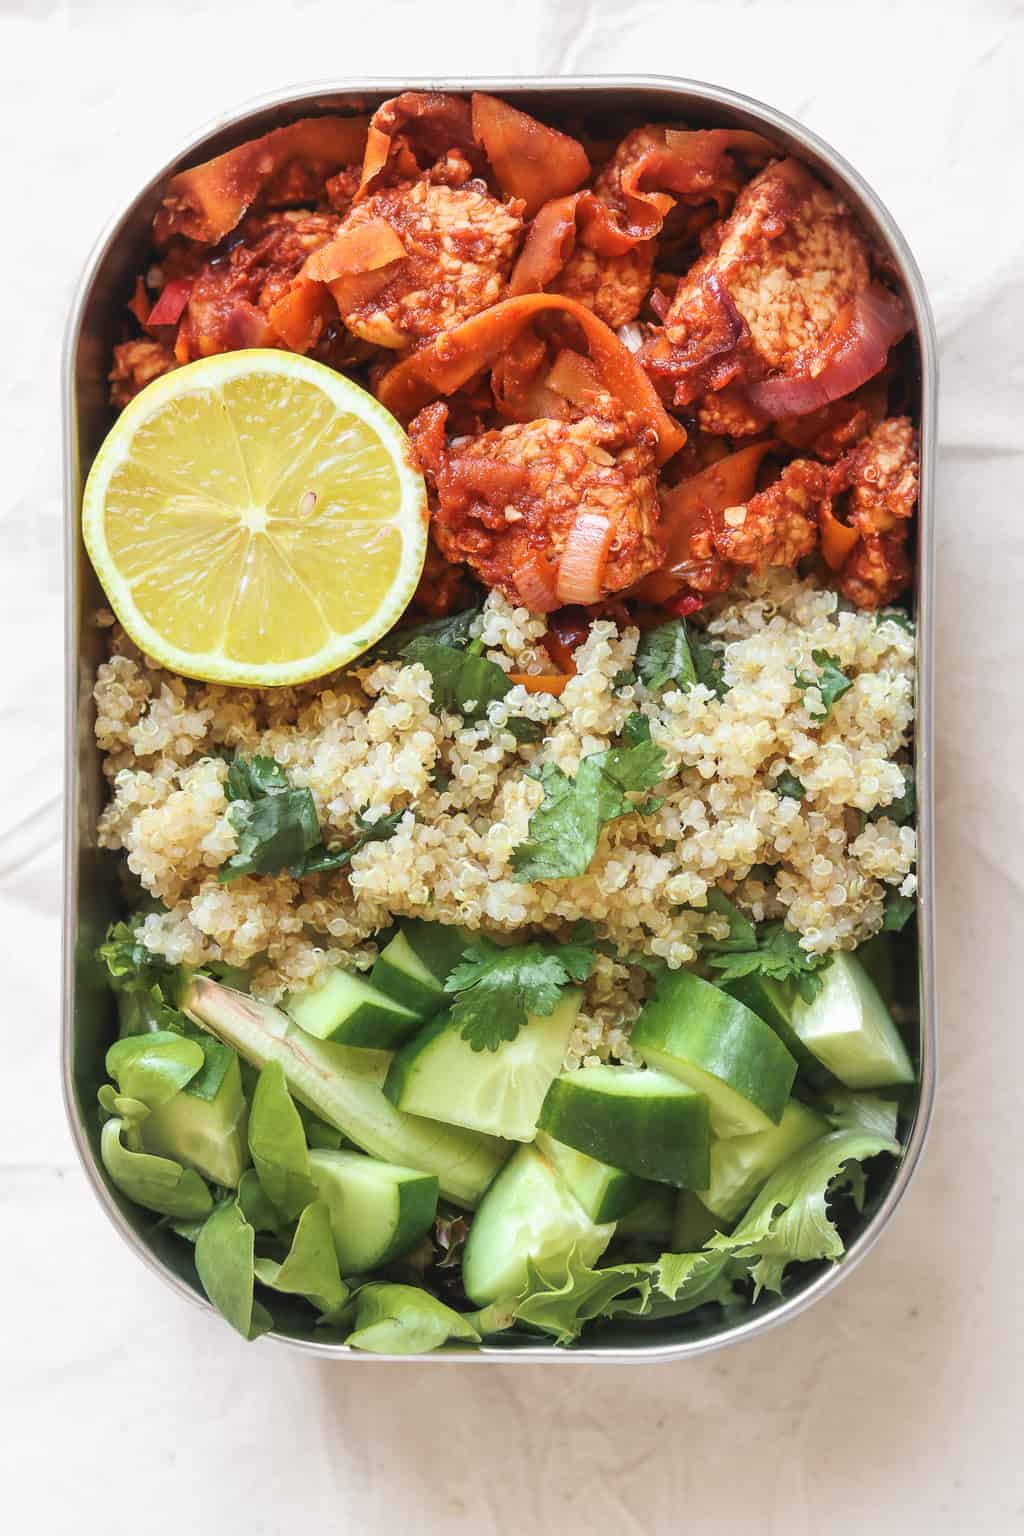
(94, 897)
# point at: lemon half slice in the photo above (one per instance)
(255, 518)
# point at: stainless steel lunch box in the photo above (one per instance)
(90, 875)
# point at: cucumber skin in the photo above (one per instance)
(699, 1023)
(465, 1162)
(652, 1218)
(403, 1065)
(416, 1197)
(440, 946)
(672, 1144)
(605, 1193)
(370, 1025)
(390, 976)
(773, 1002)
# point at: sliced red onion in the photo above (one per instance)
(855, 349)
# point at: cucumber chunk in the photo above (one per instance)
(378, 1211)
(202, 1131)
(344, 1087)
(401, 975)
(741, 1164)
(850, 1030)
(605, 1193)
(652, 1218)
(440, 946)
(645, 1122)
(692, 1222)
(527, 1215)
(701, 1035)
(773, 1002)
(349, 1011)
(439, 1075)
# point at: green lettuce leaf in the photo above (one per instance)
(789, 1219)
(497, 987)
(404, 1320)
(846, 1110)
(278, 1144)
(564, 830)
(562, 1298)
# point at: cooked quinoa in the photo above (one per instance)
(368, 741)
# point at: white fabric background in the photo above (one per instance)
(896, 1402)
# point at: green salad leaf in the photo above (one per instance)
(310, 1267)
(776, 952)
(225, 1261)
(154, 1067)
(156, 1183)
(562, 1298)
(789, 1219)
(261, 1215)
(564, 830)
(832, 682)
(497, 987)
(663, 657)
(849, 1111)
(277, 1142)
(404, 1320)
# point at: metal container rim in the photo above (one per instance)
(305, 95)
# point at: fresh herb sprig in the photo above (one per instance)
(496, 988)
(564, 830)
(278, 827)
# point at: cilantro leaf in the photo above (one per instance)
(147, 987)
(707, 663)
(832, 682)
(624, 678)
(776, 953)
(379, 831)
(464, 682)
(898, 912)
(278, 827)
(456, 629)
(789, 786)
(636, 729)
(564, 830)
(789, 1219)
(496, 988)
(525, 730)
(742, 934)
(663, 656)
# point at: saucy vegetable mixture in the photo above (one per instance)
(536, 972)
